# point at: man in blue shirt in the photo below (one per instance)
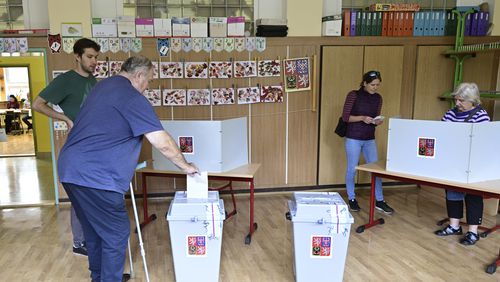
(98, 161)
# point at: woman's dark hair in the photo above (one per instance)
(84, 43)
(371, 76)
(15, 99)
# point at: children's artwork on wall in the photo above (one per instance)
(55, 43)
(171, 70)
(297, 77)
(269, 68)
(136, 46)
(104, 43)
(153, 96)
(56, 73)
(176, 44)
(248, 95)
(156, 74)
(240, 44)
(115, 67)
(67, 43)
(222, 96)
(271, 94)
(114, 45)
(245, 69)
(198, 97)
(221, 69)
(174, 97)
(196, 70)
(186, 144)
(426, 147)
(125, 44)
(218, 44)
(101, 69)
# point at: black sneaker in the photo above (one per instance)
(82, 250)
(469, 239)
(448, 230)
(383, 207)
(353, 205)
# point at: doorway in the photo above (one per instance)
(15, 113)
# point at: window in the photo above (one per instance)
(191, 8)
(11, 14)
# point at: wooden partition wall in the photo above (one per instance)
(294, 140)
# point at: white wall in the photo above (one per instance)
(36, 14)
(106, 8)
(270, 9)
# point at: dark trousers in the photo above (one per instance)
(106, 228)
(474, 209)
(26, 121)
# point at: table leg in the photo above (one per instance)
(492, 268)
(371, 221)
(253, 225)
(147, 218)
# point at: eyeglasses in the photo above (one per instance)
(374, 73)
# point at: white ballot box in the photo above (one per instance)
(454, 151)
(195, 227)
(321, 228)
(214, 146)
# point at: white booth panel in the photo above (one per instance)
(447, 158)
(484, 162)
(235, 143)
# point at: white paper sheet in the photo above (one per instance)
(197, 185)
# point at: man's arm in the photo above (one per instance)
(40, 105)
(162, 141)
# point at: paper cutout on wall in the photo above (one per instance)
(187, 44)
(250, 44)
(104, 43)
(115, 67)
(208, 44)
(171, 70)
(22, 44)
(197, 44)
(245, 69)
(114, 45)
(101, 69)
(248, 95)
(125, 44)
(218, 44)
(174, 97)
(196, 70)
(156, 73)
(221, 69)
(163, 46)
(153, 96)
(53, 39)
(136, 46)
(271, 94)
(260, 44)
(2, 49)
(222, 96)
(176, 44)
(240, 44)
(67, 44)
(197, 97)
(269, 68)
(297, 76)
(229, 44)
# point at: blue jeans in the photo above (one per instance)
(353, 149)
(106, 227)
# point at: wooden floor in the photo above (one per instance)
(35, 244)
(16, 145)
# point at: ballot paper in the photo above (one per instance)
(197, 185)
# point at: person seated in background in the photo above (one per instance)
(468, 109)
(27, 117)
(11, 104)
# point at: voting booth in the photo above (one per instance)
(321, 226)
(454, 151)
(195, 227)
(213, 145)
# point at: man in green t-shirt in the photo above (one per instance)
(69, 91)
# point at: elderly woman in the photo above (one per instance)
(467, 109)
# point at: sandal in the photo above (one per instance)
(469, 239)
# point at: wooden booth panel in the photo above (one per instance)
(434, 77)
(389, 61)
(302, 124)
(342, 68)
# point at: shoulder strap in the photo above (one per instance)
(477, 109)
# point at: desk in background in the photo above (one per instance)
(487, 189)
(245, 173)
